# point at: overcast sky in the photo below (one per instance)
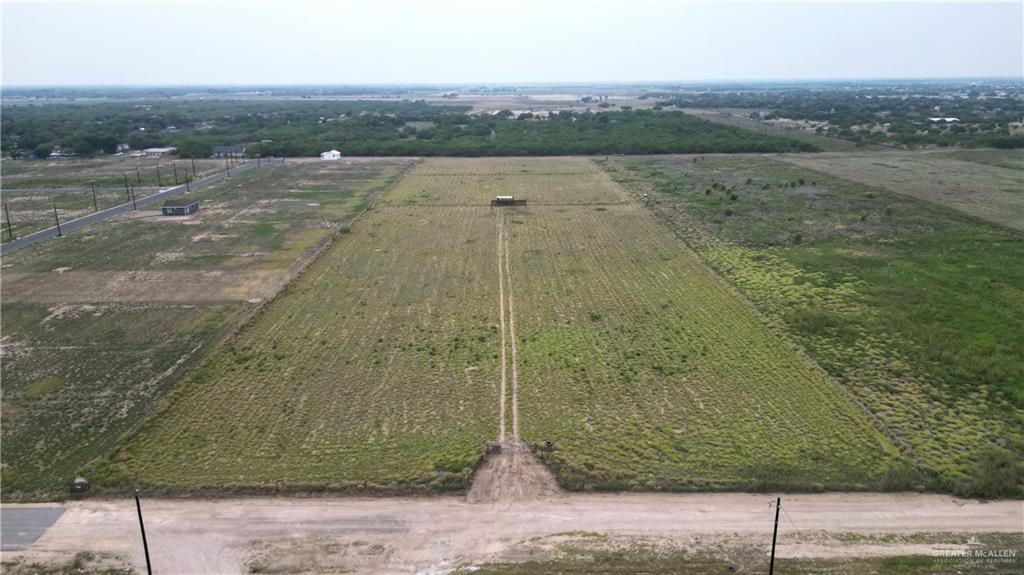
(497, 42)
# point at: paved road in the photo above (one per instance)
(73, 190)
(21, 526)
(72, 225)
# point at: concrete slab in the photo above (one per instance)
(20, 526)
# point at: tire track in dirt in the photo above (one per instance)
(512, 338)
(501, 314)
(511, 472)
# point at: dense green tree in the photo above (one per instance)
(42, 151)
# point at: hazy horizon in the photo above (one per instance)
(532, 43)
(527, 83)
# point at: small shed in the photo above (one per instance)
(179, 206)
(507, 201)
(331, 155)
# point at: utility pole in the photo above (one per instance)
(138, 175)
(7, 213)
(188, 188)
(159, 182)
(142, 527)
(175, 166)
(95, 206)
(193, 165)
(227, 164)
(257, 159)
(775, 532)
(59, 233)
(126, 192)
(134, 207)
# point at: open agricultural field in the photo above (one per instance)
(107, 172)
(99, 326)
(387, 365)
(915, 308)
(987, 184)
(32, 189)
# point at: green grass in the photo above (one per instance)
(672, 563)
(986, 184)
(647, 373)
(108, 172)
(917, 309)
(374, 371)
(379, 368)
(91, 350)
(42, 387)
(568, 553)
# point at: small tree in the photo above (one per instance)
(43, 150)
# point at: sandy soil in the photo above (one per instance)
(514, 474)
(410, 535)
(142, 286)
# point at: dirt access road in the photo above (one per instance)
(439, 533)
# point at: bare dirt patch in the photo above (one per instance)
(441, 533)
(512, 474)
(140, 286)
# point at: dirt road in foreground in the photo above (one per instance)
(439, 533)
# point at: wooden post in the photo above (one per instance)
(193, 166)
(56, 217)
(138, 176)
(126, 192)
(775, 533)
(134, 207)
(159, 182)
(7, 212)
(175, 166)
(142, 527)
(95, 206)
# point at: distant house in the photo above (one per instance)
(220, 151)
(947, 120)
(159, 151)
(123, 147)
(179, 207)
(331, 155)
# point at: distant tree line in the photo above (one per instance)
(306, 128)
(984, 111)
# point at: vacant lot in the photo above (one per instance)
(914, 307)
(381, 367)
(376, 370)
(34, 189)
(985, 184)
(104, 173)
(100, 325)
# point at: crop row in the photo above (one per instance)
(377, 369)
(646, 371)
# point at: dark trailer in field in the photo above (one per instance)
(179, 207)
(501, 201)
